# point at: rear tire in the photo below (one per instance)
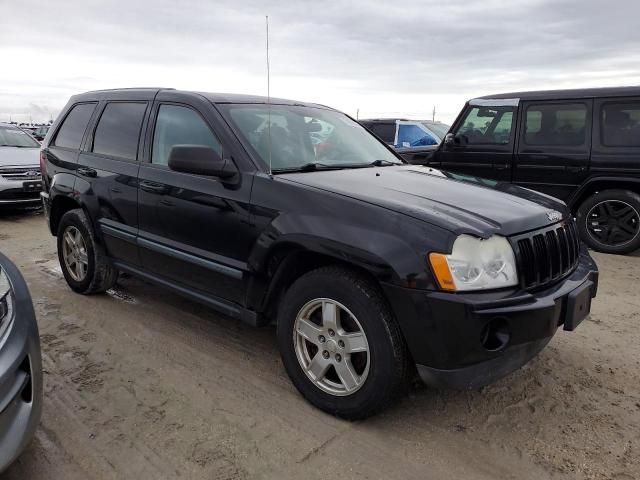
(363, 358)
(84, 263)
(609, 221)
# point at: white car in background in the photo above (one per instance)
(20, 180)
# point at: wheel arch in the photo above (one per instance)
(289, 260)
(598, 184)
(60, 204)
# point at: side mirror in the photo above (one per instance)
(200, 160)
(449, 139)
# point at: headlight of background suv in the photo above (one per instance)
(476, 264)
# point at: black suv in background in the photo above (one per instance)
(582, 146)
(295, 213)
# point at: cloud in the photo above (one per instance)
(382, 58)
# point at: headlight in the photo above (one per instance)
(476, 264)
(6, 302)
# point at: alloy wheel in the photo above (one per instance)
(331, 347)
(74, 253)
(613, 222)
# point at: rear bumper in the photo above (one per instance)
(470, 340)
(20, 372)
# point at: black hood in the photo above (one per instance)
(461, 204)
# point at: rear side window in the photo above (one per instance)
(73, 127)
(556, 125)
(386, 131)
(620, 124)
(118, 130)
(178, 125)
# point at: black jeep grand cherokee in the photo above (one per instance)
(294, 212)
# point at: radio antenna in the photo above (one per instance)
(268, 95)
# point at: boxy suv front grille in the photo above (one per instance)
(20, 173)
(548, 254)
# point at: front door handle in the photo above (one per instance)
(153, 187)
(502, 166)
(576, 169)
(87, 172)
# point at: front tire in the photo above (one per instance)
(340, 344)
(609, 221)
(84, 263)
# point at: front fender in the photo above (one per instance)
(388, 257)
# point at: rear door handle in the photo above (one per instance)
(153, 187)
(87, 172)
(502, 166)
(576, 169)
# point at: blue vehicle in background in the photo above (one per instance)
(414, 140)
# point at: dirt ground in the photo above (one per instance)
(143, 384)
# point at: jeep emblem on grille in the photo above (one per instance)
(554, 216)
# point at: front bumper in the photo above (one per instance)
(20, 371)
(13, 193)
(467, 340)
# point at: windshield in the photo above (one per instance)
(301, 136)
(14, 137)
(440, 129)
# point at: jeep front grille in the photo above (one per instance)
(548, 254)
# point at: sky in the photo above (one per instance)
(365, 57)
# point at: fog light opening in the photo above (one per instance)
(27, 391)
(495, 334)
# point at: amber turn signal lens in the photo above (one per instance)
(441, 270)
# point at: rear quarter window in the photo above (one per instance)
(620, 124)
(73, 127)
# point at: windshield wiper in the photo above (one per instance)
(384, 163)
(309, 167)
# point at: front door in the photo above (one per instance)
(193, 228)
(554, 146)
(482, 144)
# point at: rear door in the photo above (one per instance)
(108, 166)
(194, 230)
(554, 146)
(483, 140)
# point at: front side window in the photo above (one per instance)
(178, 125)
(72, 129)
(486, 126)
(556, 125)
(14, 137)
(620, 124)
(290, 137)
(412, 135)
(118, 130)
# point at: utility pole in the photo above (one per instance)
(433, 115)
(358, 114)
